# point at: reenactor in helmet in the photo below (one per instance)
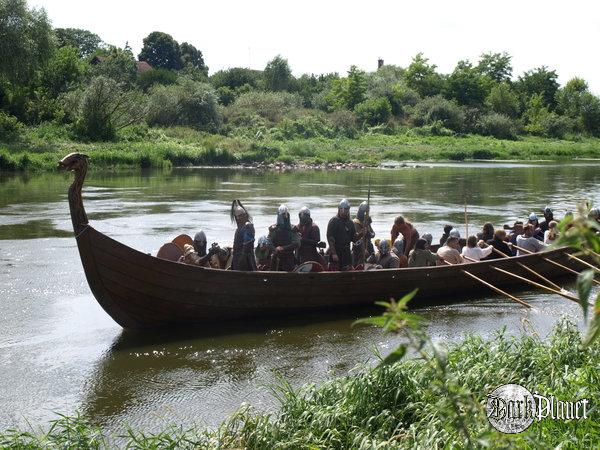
(243, 240)
(284, 241)
(340, 233)
(310, 237)
(364, 232)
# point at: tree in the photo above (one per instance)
(186, 103)
(235, 77)
(152, 77)
(191, 56)
(277, 74)
(590, 113)
(84, 41)
(422, 77)
(25, 40)
(161, 50)
(497, 66)
(104, 108)
(374, 111)
(64, 69)
(503, 100)
(538, 81)
(467, 85)
(568, 98)
(356, 87)
(119, 65)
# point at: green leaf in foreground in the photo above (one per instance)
(395, 356)
(584, 287)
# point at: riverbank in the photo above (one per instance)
(403, 405)
(42, 147)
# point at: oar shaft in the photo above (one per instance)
(568, 269)
(494, 288)
(585, 263)
(533, 283)
(530, 270)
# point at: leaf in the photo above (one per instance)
(379, 321)
(584, 287)
(593, 329)
(395, 356)
(440, 352)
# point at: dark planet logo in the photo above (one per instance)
(510, 408)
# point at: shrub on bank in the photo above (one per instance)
(437, 108)
(272, 106)
(10, 128)
(188, 103)
(497, 125)
(374, 111)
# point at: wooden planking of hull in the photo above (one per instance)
(141, 291)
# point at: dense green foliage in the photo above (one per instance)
(47, 75)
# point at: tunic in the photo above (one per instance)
(310, 235)
(341, 233)
(422, 258)
(283, 261)
(358, 252)
(243, 248)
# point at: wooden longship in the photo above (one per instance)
(141, 291)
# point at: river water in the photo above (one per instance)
(59, 351)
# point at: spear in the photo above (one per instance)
(366, 225)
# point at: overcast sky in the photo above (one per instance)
(319, 36)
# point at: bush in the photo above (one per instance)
(497, 125)
(374, 111)
(189, 103)
(556, 126)
(10, 128)
(226, 95)
(156, 76)
(260, 153)
(104, 108)
(343, 123)
(304, 127)
(273, 106)
(437, 108)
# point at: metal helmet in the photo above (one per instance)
(238, 210)
(344, 204)
(533, 216)
(363, 208)
(263, 240)
(547, 210)
(200, 237)
(454, 233)
(384, 247)
(304, 214)
(594, 213)
(283, 215)
(399, 245)
(428, 237)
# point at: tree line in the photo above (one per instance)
(71, 78)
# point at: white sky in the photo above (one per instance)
(319, 36)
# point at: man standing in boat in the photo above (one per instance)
(243, 240)
(340, 233)
(310, 235)
(362, 224)
(284, 240)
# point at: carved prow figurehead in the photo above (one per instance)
(78, 163)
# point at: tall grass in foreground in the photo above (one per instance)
(397, 405)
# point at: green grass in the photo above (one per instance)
(402, 405)
(141, 147)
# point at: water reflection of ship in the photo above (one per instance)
(142, 372)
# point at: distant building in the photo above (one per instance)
(142, 66)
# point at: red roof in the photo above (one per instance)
(143, 66)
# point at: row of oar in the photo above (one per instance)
(548, 286)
